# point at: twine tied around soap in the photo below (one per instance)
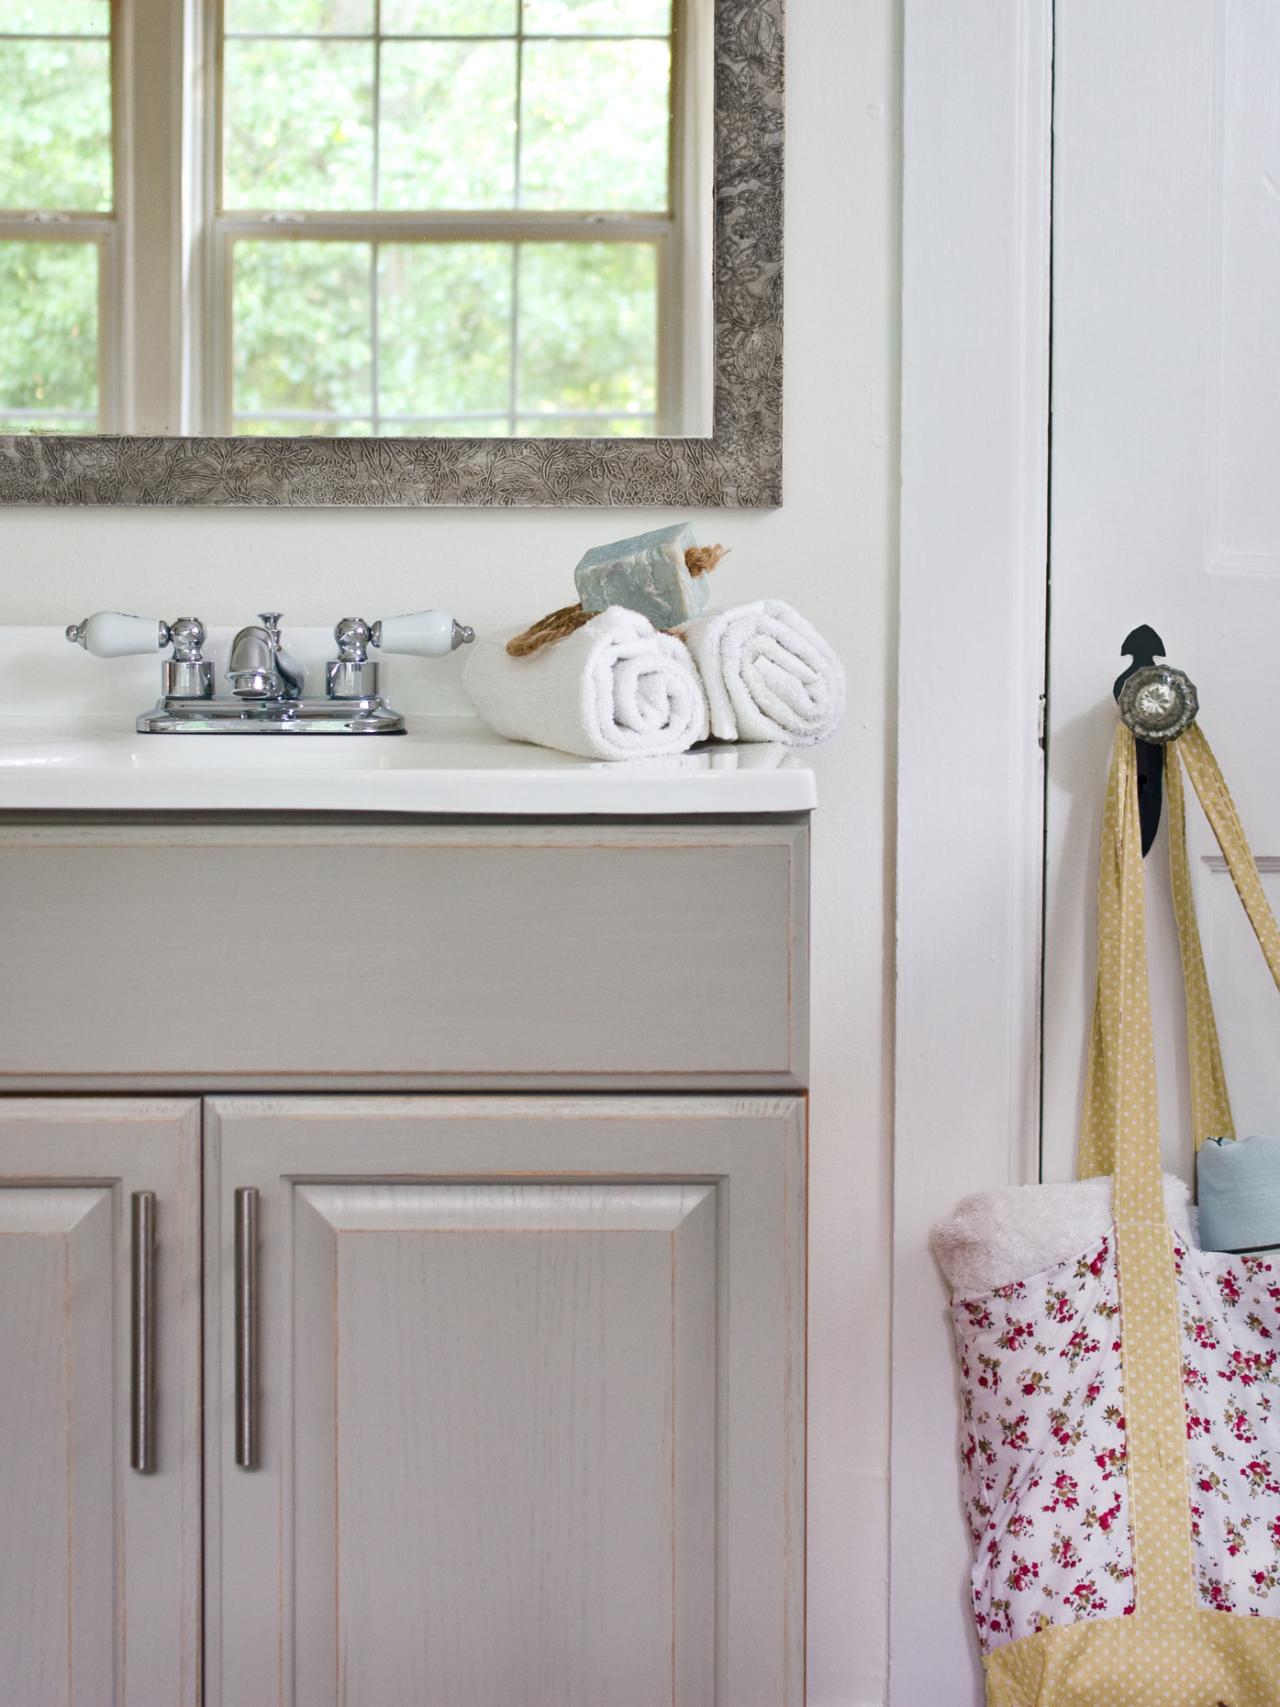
(698, 560)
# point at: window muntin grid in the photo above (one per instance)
(500, 180)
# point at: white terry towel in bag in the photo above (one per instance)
(769, 675)
(613, 689)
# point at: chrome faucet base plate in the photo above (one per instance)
(271, 717)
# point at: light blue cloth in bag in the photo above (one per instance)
(1238, 1189)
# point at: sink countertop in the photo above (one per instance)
(443, 764)
(68, 743)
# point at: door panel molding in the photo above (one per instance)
(101, 1569)
(975, 414)
(632, 1271)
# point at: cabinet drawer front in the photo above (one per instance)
(335, 956)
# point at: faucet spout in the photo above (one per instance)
(259, 667)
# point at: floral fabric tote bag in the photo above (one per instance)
(1120, 1434)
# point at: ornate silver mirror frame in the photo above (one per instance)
(739, 465)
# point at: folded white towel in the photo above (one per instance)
(613, 689)
(769, 675)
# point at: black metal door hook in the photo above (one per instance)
(1142, 646)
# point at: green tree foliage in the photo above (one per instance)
(298, 17)
(594, 125)
(449, 17)
(302, 328)
(297, 125)
(55, 155)
(444, 323)
(597, 17)
(55, 125)
(447, 125)
(55, 17)
(588, 327)
(49, 327)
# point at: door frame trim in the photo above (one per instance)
(977, 177)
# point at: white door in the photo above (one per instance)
(1165, 509)
(1165, 487)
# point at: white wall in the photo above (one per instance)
(831, 549)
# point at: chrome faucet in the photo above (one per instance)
(259, 667)
(267, 684)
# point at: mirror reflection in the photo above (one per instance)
(408, 218)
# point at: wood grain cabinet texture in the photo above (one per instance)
(530, 1348)
(532, 1403)
(100, 1566)
(200, 955)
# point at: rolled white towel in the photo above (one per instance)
(613, 689)
(769, 675)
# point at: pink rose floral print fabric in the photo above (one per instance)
(1231, 1384)
(1043, 1440)
(1043, 1449)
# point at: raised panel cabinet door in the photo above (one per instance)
(521, 1384)
(100, 1561)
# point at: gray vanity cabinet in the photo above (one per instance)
(502, 1384)
(530, 1402)
(100, 1561)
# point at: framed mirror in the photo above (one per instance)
(380, 252)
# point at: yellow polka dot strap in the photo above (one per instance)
(1210, 1102)
(1120, 1086)
(1220, 810)
(1171, 1651)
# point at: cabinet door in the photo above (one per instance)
(531, 1403)
(100, 1564)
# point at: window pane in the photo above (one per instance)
(596, 17)
(49, 327)
(575, 427)
(596, 122)
(449, 17)
(298, 125)
(55, 125)
(301, 328)
(448, 125)
(302, 427)
(23, 425)
(462, 428)
(55, 17)
(298, 17)
(444, 328)
(588, 328)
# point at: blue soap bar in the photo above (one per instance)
(647, 574)
(1238, 1190)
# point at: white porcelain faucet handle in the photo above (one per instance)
(422, 634)
(112, 634)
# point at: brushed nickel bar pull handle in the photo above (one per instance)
(246, 1282)
(142, 1442)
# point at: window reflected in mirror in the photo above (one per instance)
(57, 170)
(406, 218)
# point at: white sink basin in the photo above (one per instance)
(442, 765)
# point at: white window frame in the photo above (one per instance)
(155, 212)
(683, 236)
